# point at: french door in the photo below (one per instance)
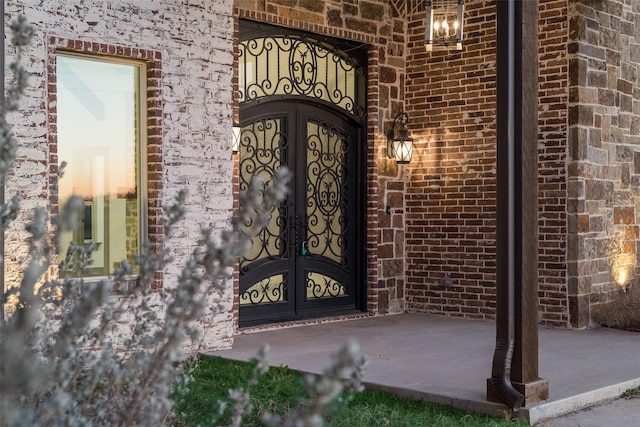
(309, 259)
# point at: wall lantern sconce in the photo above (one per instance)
(400, 148)
(444, 24)
(235, 137)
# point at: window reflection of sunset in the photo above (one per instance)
(99, 136)
(98, 126)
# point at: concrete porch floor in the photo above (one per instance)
(447, 360)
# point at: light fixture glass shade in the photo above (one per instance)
(403, 149)
(444, 24)
(399, 148)
(235, 137)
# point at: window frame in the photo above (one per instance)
(150, 159)
(141, 141)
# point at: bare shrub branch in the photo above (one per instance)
(77, 352)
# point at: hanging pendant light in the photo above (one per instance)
(444, 24)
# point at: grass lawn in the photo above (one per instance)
(280, 389)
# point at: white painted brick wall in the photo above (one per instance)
(195, 38)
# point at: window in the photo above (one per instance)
(101, 126)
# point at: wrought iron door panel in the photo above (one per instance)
(302, 104)
(303, 263)
(264, 269)
(327, 190)
(271, 289)
(262, 148)
(323, 286)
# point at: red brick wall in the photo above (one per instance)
(552, 148)
(450, 195)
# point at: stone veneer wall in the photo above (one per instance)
(450, 194)
(380, 24)
(604, 152)
(192, 44)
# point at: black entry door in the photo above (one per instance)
(308, 260)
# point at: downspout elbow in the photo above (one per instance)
(500, 376)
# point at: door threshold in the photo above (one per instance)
(302, 322)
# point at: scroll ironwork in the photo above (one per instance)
(298, 65)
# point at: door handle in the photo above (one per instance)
(299, 224)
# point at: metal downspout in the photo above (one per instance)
(506, 238)
(2, 185)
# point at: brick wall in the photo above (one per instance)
(450, 195)
(451, 184)
(433, 249)
(379, 24)
(604, 153)
(195, 42)
(552, 158)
